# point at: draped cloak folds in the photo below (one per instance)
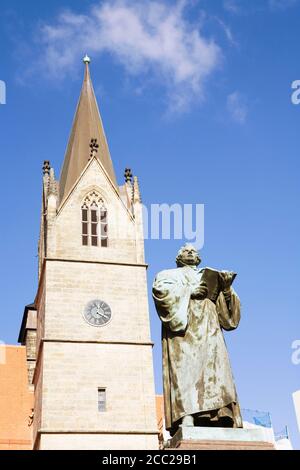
(196, 369)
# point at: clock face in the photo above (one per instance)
(97, 313)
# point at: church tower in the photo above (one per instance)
(93, 379)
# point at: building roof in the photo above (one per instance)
(87, 125)
(28, 322)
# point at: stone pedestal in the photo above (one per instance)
(201, 438)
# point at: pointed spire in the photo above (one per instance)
(87, 127)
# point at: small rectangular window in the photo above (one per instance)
(94, 225)
(103, 230)
(95, 241)
(94, 217)
(84, 228)
(84, 215)
(103, 219)
(104, 242)
(101, 399)
(103, 216)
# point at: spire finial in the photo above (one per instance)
(128, 175)
(94, 148)
(86, 59)
(46, 168)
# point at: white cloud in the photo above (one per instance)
(281, 4)
(227, 31)
(147, 38)
(232, 6)
(245, 7)
(237, 107)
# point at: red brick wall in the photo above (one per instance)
(16, 400)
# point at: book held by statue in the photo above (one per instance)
(216, 281)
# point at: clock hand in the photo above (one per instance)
(103, 314)
(98, 313)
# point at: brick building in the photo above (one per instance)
(16, 400)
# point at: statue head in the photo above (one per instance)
(188, 256)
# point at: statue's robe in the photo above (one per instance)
(196, 369)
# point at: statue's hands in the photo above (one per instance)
(227, 277)
(200, 292)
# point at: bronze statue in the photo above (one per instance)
(194, 306)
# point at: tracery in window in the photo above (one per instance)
(94, 221)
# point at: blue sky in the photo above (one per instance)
(196, 98)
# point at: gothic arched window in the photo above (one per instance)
(94, 221)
